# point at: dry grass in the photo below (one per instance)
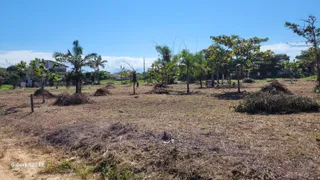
(208, 139)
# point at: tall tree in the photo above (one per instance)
(96, 63)
(201, 67)
(311, 34)
(76, 59)
(187, 63)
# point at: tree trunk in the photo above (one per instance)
(218, 78)
(238, 77)
(42, 89)
(134, 88)
(201, 83)
(188, 89)
(212, 78)
(222, 78)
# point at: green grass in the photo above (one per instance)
(314, 78)
(6, 87)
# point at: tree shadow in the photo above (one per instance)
(15, 109)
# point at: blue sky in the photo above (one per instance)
(128, 30)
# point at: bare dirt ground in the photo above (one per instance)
(207, 139)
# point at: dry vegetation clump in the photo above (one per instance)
(248, 80)
(160, 85)
(110, 86)
(146, 150)
(159, 89)
(46, 93)
(275, 88)
(276, 99)
(74, 99)
(102, 92)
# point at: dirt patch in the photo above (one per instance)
(45, 92)
(74, 99)
(102, 92)
(275, 88)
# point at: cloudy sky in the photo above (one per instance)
(128, 30)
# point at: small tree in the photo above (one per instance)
(311, 33)
(40, 71)
(292, 68)
(77, 60)
(95, 64)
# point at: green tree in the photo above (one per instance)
(200, 67)
(242, 49)
(13, 79)
(95, 64)
(165, 68)
(77, 61)
(311, 34)
(187, 63)
(39, 70)
(292, 68)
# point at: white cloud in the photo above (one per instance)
(8, 58)
(291, 49)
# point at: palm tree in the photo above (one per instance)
(200, 66)
(187, 61)
(95, 64)
(77, 61)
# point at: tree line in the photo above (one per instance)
(228, 57)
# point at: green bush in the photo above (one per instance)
(6, 87)
(262, 102)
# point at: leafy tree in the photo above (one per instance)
(40, 71)
(13, 79)
(123, 73)
(95, 64)
(242, 49)
(307, 61)
(4, 74)
(165, 68)
(311, 34)
(76, 59)
(292, 68)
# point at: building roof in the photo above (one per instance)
(60, 64)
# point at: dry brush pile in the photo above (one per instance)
(276, 99)
(71, 99)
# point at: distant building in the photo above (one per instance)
(53, 66)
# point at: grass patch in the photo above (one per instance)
(6, 87)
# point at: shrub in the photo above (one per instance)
(248, 80)
(263, 102)
(74, 99)
(102, 92)
(276, 88)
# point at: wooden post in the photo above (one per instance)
(31, 102)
